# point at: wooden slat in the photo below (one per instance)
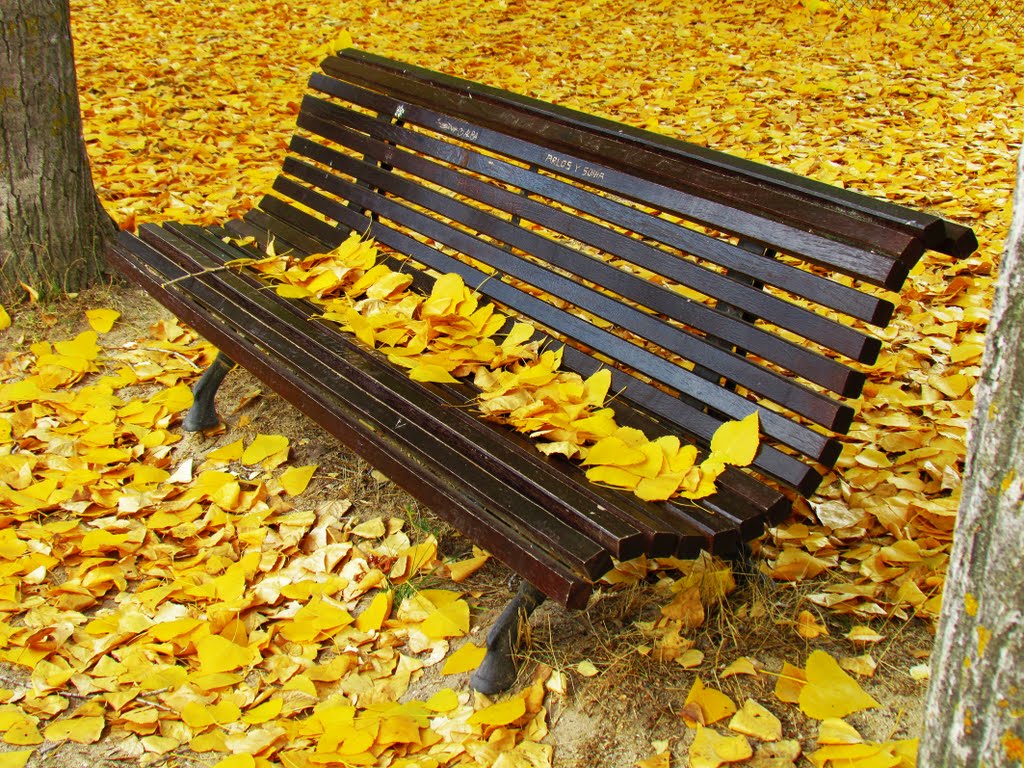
(811, 195)
(460, 504)
(555, 510)
(578, 502)
(818, 408)
(711, 524)
(804, 362)
(784, 467)
(810, 443)
(801, 283)
(562, 149)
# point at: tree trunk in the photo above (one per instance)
(975, 710)
(52, 226)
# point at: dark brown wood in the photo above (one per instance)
(591, 230)
(321, 404)
(806, 194)
(564, 148)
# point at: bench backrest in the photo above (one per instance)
(593, 229)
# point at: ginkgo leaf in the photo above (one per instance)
(240, 760)
(502, 713)
(371, 619)
(755, 720)
(451, 620)
(736, 442)
(15, 759)
(830, 692)
(444, 700)
(5, 323)
(711, 750)
(712, 704)
(430, 372)
(461, 570)
(217, 654)
(81, 730)
(790, 682)
(102, 320)
(294, 480)
(263, 447)
(467, 658)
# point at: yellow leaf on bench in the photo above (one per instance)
(431, 372)
(616, 476)
(736, 442)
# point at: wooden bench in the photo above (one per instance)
(712, 287)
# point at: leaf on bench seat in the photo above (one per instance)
(448, 335)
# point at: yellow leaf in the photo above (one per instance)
(263, 713)
(444, 700)
(295, 479)
(830, 692)
(23, 733)
(468, 657)
(227, 453)
(612, 451)
(714, 705)
(711, 749)
(660, 760)
(237, 761)
(616, 476)
(102, 320)
(5, 323)
(451, 620)
(742, 666)
(586, 668)
(288, 291)
(754, 720)
(461, 570)
(660, 488)
(500, 714)
(15, 759)
(217, 654)
(81, 730)
(735, 442)
(431, 372)
(371, 619)
(686, 608)
(263, 447)
(340, 43)
(836, 731)
(791, 681)
(807, 626)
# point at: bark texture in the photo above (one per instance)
(52, 226)
(975, 710)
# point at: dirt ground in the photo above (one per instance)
(627, 711)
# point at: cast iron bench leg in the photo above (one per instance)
(498, 670)
(203, 414)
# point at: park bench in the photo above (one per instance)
(711, 286)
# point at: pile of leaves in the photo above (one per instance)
(450, 334)
(191, 605)
(178, 604)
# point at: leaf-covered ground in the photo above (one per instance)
(187, 602)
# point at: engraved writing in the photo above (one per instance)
(469, 134)
(573, 166)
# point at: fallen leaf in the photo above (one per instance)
(830, 692)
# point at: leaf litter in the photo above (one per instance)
(131, 584)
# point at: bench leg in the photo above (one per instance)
(203, 414)
(498, 670)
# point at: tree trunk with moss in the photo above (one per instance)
(975, 711)
(52, 226)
